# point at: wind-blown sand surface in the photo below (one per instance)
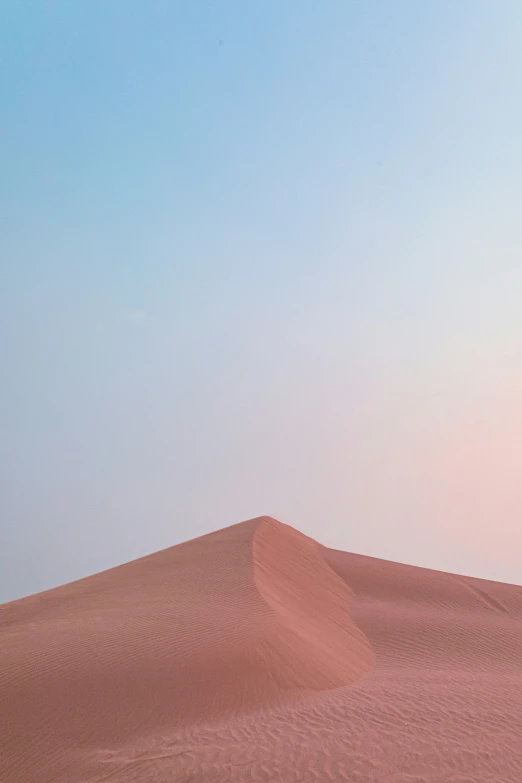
(255, 654)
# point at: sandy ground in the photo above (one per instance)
(255, 654)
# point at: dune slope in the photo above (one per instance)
(255, 654)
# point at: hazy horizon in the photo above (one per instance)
(260, 259)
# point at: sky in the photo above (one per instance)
(260, 258)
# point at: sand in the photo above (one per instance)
(255, 654)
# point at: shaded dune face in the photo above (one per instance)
(314, 642)
(243, 618)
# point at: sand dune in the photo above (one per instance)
(255, 654)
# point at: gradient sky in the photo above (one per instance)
(260, 258)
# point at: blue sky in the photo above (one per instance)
(260, 258)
